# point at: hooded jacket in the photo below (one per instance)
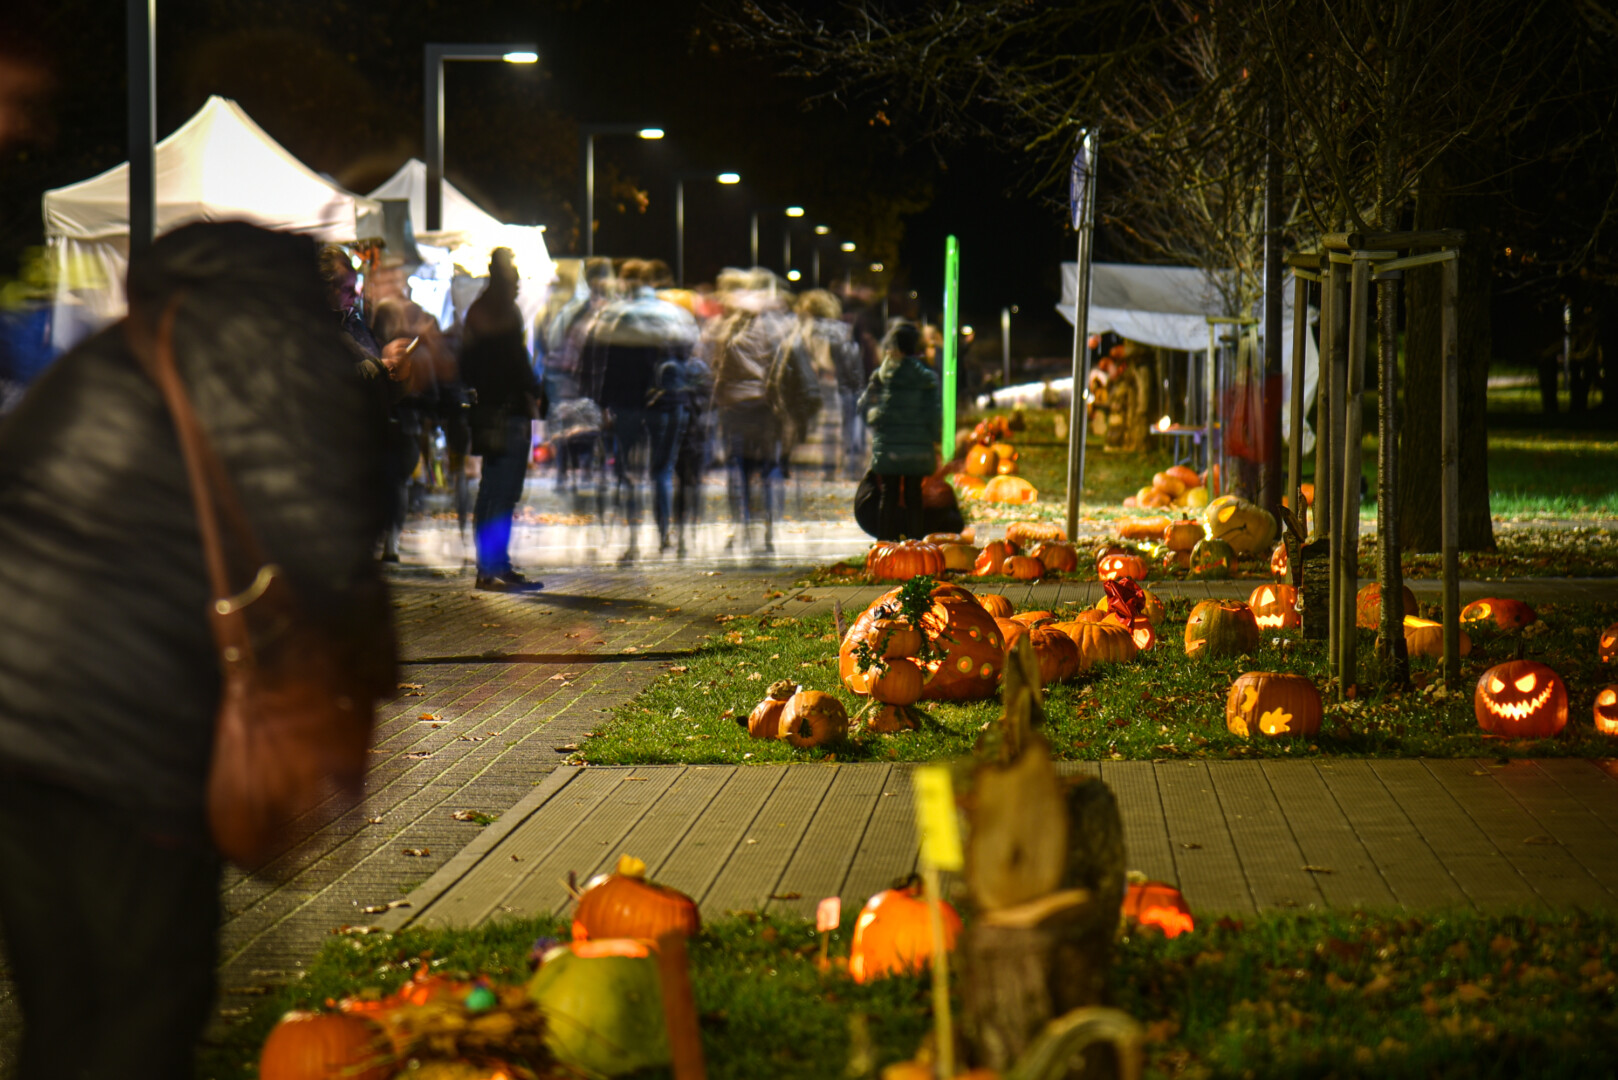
(108, 676)
(901, 405)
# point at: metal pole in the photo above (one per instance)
(1300, 341)
(1077, 425)
(952, 297)
(786, 250)
(589, 224)
(141, 34)
(1450, 478)
(1339, 412)
(1347, 553)
(1210, 388)
(1005, 346)
(815, 263)
(754, 248)
(433, 83)
(679, 232)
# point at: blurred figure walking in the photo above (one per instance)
(495, 367)
(831, 351)
(901, 406)
(633, 367)
(744, 348)
(573, 421)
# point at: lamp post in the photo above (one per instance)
(141, 34)
(587, 153)
(786, 232)
(435, 54)
(726, 178)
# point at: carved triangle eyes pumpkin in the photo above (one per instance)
(1526, 683)
(1267, 595)
(1495, 685)
(1607, 697)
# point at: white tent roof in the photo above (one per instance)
(457, 213)
(218, 166)
(1165, 306)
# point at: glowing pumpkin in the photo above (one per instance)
(1213, 559)
(1275, 607)
(1183, 535)
(1032, 532)
(1220, 628)
(893, 934)
(1607, 647)
(1117, 565)
(1140, 629)
(1273, 704)
(1423, 637)
(313, 1046)
(1153, 903)
(1247, 528)
(995, 605)
(1506, 614)
(1023, 568)
(1007, 466)
(1521, 698)
(981, 461)
(623, 904)
(1606, 710)
(1280, 562)
(1368, 606)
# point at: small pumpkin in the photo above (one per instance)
(1024, 568)
(958, 557)
(1221, 628)
(1032, 532)
(1423, 637)
(1118, 565)
(1521, 698)
(1183, 535)
(1606, 710)
(1280, 562)
(967, 486)
(764, 722)
(1195, 498)
(991, 560)
(314, 1046)
(1143, 529)
(1056, 653)
(813, 718)
(892, 719)
(1272, 703)
(893, 637)
(981, 460)
(1247, 528)
(1152, 903)
(1213, 559)
(1275, 607)
(1607, 646)
(1099, 642)
(1058, 557)
(893, 934)
(903, 561)
(1368, 605)
(1007, 466)
(1185, 474)
(1168, 484)
(1171, 560)
(623, 904)
(1506, 614)
(1010, 489)
(900, 683)
(996, 605)
(1012, 631)
(603, 1005)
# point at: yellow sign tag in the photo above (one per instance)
(936, 820)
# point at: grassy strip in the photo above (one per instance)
(1445, 995)
(1163, 705)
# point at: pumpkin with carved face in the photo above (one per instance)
(1505, 613)
(1424, 637)
(1247, 528)
(1274, 704)
(1152, 903)
(1275, 607)
(1522, 699)
(1213, 559)
(1280, 562)
(1220, 628)
(1607, 648)
(1117, 565)
(1606, 710)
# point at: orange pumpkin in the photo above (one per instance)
(974, 651)
(1506, 614)
(1607, 646)
(1220, 628)
(958, 557)
(1184, 474)
(1024, 568)
(995, 605)
(623, 904)
(1012, 631)
(1423, 637)
(893, 934)
(1606, 710)
(1007, 466)
(1522, 699)
(1143, 528)
(966, 485)
(892, 719)
(1272, 703)
(1010, 489)
(1153, 903)
(1275, 607)
(1151, 608)
(314, 1046)
(1175, 560)
(764, 722)
(992, 559)
(813, 718)
(1004, 449)
(1183, 535)
(1172, 486)
(903, 561)
(1115, 565)
(1280, 562)
(942, 538)
(893, 637)
(1031, 532)
(1057, 655)
(1368, 606)
(899, 684)
(981, 460)
(1099, 642)
(1057, 557)
(1032, 619)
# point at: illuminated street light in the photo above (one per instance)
(876, 268)
(587, 152)
(848, 245)
(434, 55)
(822, 230)
(794, 211)
(650, 133)
(520, 56)
(729, 178)
(794, 275)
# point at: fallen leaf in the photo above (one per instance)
(1379, 985)
(1317, 869)
(419, 755)
(418, 852)
(565, 747)
(373, 821)
(1191, 847)
(786, 896)
(427, 716)
(410, 686)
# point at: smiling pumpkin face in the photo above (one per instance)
(1606, 710)
(1607, 649)
(1521, 698)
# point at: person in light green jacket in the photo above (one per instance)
(901, 407)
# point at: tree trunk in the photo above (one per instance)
(1420, 504)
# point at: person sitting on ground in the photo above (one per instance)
(901, 406)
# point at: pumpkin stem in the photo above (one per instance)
(629, 866)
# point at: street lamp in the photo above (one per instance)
(587, 151)
(786, 234)
(435, 55)
(726, 178)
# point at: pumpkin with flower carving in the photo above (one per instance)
(1274, 704)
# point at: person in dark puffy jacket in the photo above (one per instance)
(901, 407)
(109, 679)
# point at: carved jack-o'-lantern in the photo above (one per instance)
(1220, 628)
(1213, 559)
(1280, 562)
(1504, 613)
(1423, 637)
(1023, 568)
(1140, 629)
(1152, 903)
(1274, 704)
(1244, 526)
(1607, 648)
(1117, 565)
(1183, 535)
(1521, 698)
(968, 647)
(981, 461)
(1606, 710)
(1275, 607)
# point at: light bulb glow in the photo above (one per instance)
(876, 268)
(794, 275)
(848, 245)
(729, 178)
(521, 57)
(822, 230)
(650, 133)
(794, 211)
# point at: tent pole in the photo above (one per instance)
(1078, 427)
(1300, 338)
(141, 34)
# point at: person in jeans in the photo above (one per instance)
(494, 365)
(901, 405)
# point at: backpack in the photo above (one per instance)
(791, 388)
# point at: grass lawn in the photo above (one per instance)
(1162, 705)
(1345, 995)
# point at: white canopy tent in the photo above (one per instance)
(218, 166)
(469, 234)
(1168, 307)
